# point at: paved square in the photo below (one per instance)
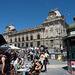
(56, 68)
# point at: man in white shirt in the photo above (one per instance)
(61, 49)
(47, 55)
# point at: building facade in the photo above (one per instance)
(50, 33)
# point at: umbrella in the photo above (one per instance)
(2, 40)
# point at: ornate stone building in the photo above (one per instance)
(50, 33)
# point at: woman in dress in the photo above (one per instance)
(2, 63)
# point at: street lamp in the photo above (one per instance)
(65, 19)
(59, 31)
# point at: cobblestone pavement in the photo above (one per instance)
(55, 67)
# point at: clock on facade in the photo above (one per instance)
(51, 16)
(7, 28)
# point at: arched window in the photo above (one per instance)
(22, 38)
(26, 44)
(22, 44)
(26, 38)
(19, 39)
(15, 45)
(31, 37)
(15, 39)
(18, 44)
(31, 44)
(38, 36)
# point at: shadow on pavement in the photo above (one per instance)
(65, 68)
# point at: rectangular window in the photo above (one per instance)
(51, 42)
(46, 28)
(57, 41)
(56, 26)
(56, 32)
(10, 40)
(51, 28)
(51, 33)
(47, 42)
(64, 32)
(46, 33)
(18, 44)
(38, 43)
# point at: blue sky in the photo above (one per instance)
(30, 13)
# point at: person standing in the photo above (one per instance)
(31, 54)
(3, 63)
(44, 60)
(28, 55)
(47, 55)
(61, 49)
(35, 55)
(15, 55)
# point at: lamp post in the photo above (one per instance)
(65, 20)
(59, 32)
(59, 39)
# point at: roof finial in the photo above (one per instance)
(51, 9)
(54, 9)
(74, 19)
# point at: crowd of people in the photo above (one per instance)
(37, 59)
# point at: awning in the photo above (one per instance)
(4, 48)
(71, 36)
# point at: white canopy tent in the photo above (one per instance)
(4, 48)
(9, 47)
(13, 47)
